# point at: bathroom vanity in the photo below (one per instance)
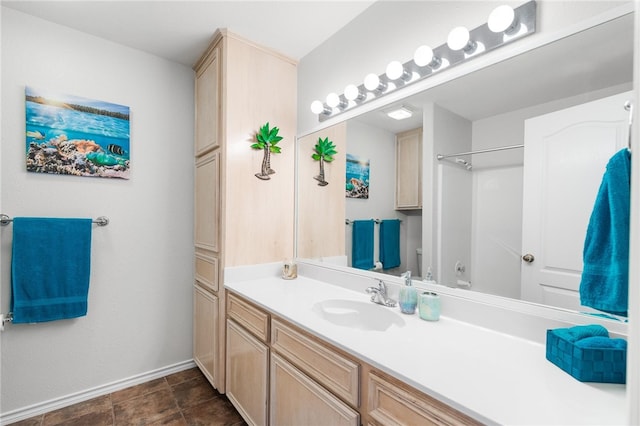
(308, 349)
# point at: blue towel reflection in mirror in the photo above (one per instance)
(362, 244)
(605, 276)
(50, 268)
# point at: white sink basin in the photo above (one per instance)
(358, 315)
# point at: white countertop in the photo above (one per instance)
(493, 377)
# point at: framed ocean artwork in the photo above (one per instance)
(70, 135)
(357, 182)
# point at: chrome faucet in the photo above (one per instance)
(379, 295)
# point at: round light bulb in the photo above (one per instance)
(351, 92)
(501, 19)
(423, 56)
(371, 82)
(395, 70)
(333, 100)
(317, 107)
(458, 38)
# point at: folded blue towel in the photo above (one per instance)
(390, 243)
(599, 342)
(362, 244)
(605, 275)
(50, 268)
(579, 332)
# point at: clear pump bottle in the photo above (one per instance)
(408, 295)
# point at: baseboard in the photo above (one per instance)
(65, 401)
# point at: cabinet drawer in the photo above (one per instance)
(337, 373)
(395, 404)
(207, 271)
(247, 315)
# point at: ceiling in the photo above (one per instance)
(180, 30)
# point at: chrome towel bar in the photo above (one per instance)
(100, 221)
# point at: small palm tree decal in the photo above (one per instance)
(324, 151)
(267, 140)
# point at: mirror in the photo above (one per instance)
(484, 109)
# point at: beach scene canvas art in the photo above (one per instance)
(71, 135)
(357, 185)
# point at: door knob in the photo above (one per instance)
(528, 258)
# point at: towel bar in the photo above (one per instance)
(5, 318)
(100, 221)
(377, 221)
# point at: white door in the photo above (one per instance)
(565, 156)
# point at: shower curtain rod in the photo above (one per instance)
(481, 151)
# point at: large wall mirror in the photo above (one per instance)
(480, 213)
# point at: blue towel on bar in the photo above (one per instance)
(362, 244)
(605, 275)
(50, 268)
(390, 243)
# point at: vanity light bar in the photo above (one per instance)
(504, 26)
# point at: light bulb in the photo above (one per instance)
(333, 100)
(317, 107)
(502, 19)
(352, 93)
(459, 39)
(424, 56)
(395, 70)
(372, 82)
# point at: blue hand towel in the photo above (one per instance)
(579, 332)
(390, 243)
(50, 268)
(599, 342)
(362, 244)
(605, 275)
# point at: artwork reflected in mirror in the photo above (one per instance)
(491, 220)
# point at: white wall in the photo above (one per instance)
(140, 302)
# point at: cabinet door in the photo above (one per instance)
(295, 399)
(207, 202)
(205, 332)
(207, 92)
(247, 374)
(409, 170)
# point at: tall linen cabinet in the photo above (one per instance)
(239, 219)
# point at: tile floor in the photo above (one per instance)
(181, 399)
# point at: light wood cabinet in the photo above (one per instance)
(295, 399)
(393, 403)
(205, 331)
(247, 374)
(409, 170)
(335, 372)
(311, 382)
(236, 82)
(207, 94)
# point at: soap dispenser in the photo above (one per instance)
(408, 295)
(429, 277)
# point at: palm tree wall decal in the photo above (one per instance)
(267, 140)
(324, 151)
